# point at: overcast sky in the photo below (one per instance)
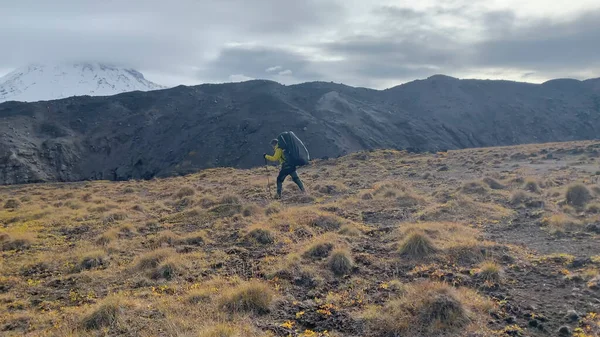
(374, 43)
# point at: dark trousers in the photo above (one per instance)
(288, 171)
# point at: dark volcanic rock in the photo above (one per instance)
(180, 130)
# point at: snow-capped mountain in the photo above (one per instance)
(40, 82)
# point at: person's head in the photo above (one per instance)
(273, 142)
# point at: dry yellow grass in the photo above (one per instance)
(260, 235)
(152, 259)
(455, 242)
(417, 245)
(490, 271)
(253, 297)
(431, 309)
(177, 248)
(465, 209)
(321, 247)
(561, 222)
(474, 187)
(16, 241)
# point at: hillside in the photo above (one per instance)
(42, 82)
(180, 130)
(500, 241)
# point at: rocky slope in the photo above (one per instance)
(178, 130)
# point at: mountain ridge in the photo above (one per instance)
(140, 135)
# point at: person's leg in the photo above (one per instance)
(283, 173)
(297, 180)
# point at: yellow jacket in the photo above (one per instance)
(277, 156)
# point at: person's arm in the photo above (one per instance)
(276, 156)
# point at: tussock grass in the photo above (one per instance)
(126, 228)
(250, 210)
(225, 210)
(251, 297)
(349, 230)
(522, 198)
(185, 192)
(199, 296)
(197, 238)
(493, 183)
(273, 208)
(207, 202)
(531, 185)
(293, 269)
(12, 204)
(340, 262)
(330, 188)
(593, 208)
(430, 309)
(168, 268)
(578, 195)
(244, 328)
(452, 242)
(320, 248)
(16, 241)
(167, 238)
(152, 259)
(260, 235)
(366, 196)
(417, 246)
(324, 222)
(463, 208)
(105, 315)
(490, 271)
(107, 237)
(92, 260)
(560, 223)
(220, 330)
(474, 187)
(230, 199)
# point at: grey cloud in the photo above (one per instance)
(295, 41)
(403, 48)
(406, 47)
(545, 44)
(252, 62)
(152, 34)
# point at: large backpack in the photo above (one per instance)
(293, 149)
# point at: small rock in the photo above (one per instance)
(507, 258)
(580, 262)
(572, 316)
(564, 331)
(593, 228)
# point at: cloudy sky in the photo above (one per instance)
(376, 44)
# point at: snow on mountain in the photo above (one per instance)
(40, 82)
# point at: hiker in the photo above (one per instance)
(287, 166)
